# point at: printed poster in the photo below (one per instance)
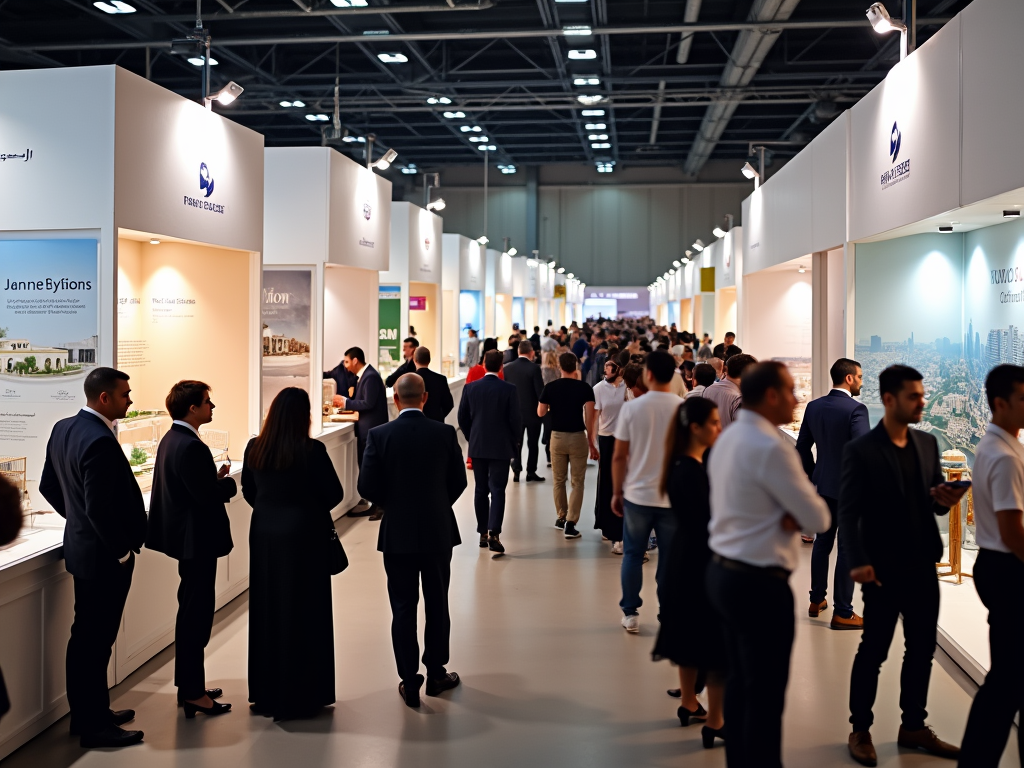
(389, 338)
(286, 311)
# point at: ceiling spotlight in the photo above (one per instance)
(570, 276)
(531, 262)
(154, 241)
(718, 232)
(698, 246)
(582, 29)
(512, 251)
(595, 126)
(410, 169)
(347, 139)
(227, 94)
(688, 253)
(393, 58)
(946, 228)
(1011, 214)
(455, 115)
(749, 171)
(437, 205)
(686, 259)
(676, 263)
(198, 61)
(508, 169)
(483, 240)
(591, 112)
(561, 270)
(385, 162)
(582, 54)
(802, 269)
(115, 6)
(883, 23)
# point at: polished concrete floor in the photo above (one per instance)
(549, 677)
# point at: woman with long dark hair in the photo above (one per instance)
(290, 482)
(478, 371)
(691, 633)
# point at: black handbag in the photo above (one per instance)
(337, 560)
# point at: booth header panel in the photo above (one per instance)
(360, 216)
(295, 204)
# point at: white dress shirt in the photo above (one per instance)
(756, 478)
(609, 399)
(186, 425)
(844, 391)
(998, 484)
(697, 391)
(101, 417)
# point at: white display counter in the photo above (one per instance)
(455, 383)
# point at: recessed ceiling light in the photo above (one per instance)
(115, 6)
(198, 61)
(455, 115)
(1011, 214)
(322, 118)
(590, 98)
(802, 269)
(154, 241)
(586, 81)
(393, 58)
(410, 169)
(595, 126)
(598, 137)
(488, 147)
(592, 113)
(293, 103)
(582, 54)
(439, 100)
(602, 145)
(946, 228)
(582, 29)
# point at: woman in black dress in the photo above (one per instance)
(691, 632)
(290, 482)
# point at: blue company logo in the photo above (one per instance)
(205, 179)
(899, 171)
(367, 211)
(895, 137)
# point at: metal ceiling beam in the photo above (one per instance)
(375, 10)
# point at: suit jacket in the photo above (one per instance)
(872, 496)
(439, 401)
(370, 401)
(510, 354)
(489, 418)
(535, 342)
(418, 513)
(830, 422)
(525, 375)
(407, 367)
(89, 482)
(342, 378)
(187, 518)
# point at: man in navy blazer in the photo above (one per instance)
(87, 479)
(370, 401)
(830, 422)
(489, 418)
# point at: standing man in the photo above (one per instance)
(636, 475)
(830, 422)
(526, 376)
(409, 346)
(609, 397)
(513, 349)
(88, 481)
(760, 499)
(890, 491)
(418, 532)
(720, 349)
(535, 339)
(489, 418)
(472, 349)
(725, 393)
(189, 523)
(439, 396)
(571, 404)
(999, 570)
(370, 401)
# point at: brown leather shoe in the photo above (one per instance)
(854, 622)
(817, 608)
(927, 740)
(861, 748)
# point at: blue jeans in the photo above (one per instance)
(637, 524)
(842, 584)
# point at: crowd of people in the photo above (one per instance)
(691, 463)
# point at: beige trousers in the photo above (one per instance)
(569, 449)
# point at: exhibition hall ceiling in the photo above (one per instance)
(616, 83)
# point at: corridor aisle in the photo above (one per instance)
(549, 676)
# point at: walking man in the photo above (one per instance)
(526, 376)
(439, 395)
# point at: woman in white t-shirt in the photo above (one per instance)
(609, 397)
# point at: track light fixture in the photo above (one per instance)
(437, 205)
(883, 24)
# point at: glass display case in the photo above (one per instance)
(140, 432)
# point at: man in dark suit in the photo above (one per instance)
(88, 481)
(489, 418)
(418, 531)
(370, 401)
(830, 422)
(535, 339)
(526, 376)
(890, 491)
(439, 396)
(188, 522)
(409, 347)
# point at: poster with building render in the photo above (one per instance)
(286, 311)
(49, 321)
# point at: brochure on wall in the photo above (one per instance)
(287, 330)
(48, 342)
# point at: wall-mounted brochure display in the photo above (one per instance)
(49, 319)
(471, 317)
(287, 329)
(389, 336)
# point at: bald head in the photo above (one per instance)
(409, 391)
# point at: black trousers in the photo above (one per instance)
(197, 595)
(759, 653)
(531, 429)
(914, 593)
(99, 605)
(405, 574)
(999, 578)
(491, 476)
(607, 521)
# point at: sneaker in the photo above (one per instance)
(571, 532)
(616, 547)
(560, 523)
(631, 623)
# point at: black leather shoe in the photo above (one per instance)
(117, 716)
(533, 477)
(217, 709)
(446, 683)
(495, 545)
(109, 738)
(483, 541)
(515, 477)
(411, 694)
(213, 693)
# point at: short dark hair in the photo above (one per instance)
(411, 340)
(704, 375)
(568, 362)
(731, 351)
(759, 379)
(1000, 383)
(890, 381)
(737, 364)
(421, 356)
(513, 339)
(102, 380)
(536, 329)
(492, 361)
(730, 333)
(355, 353)
(631, 374)
(842, 368)
(661, 365)
(525, 347)
(183, 396)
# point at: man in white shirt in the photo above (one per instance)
(609, 397)
(760, 499)
(636, 474)
(999, 571)
(726, 392)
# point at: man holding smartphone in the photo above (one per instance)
(890, 491)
